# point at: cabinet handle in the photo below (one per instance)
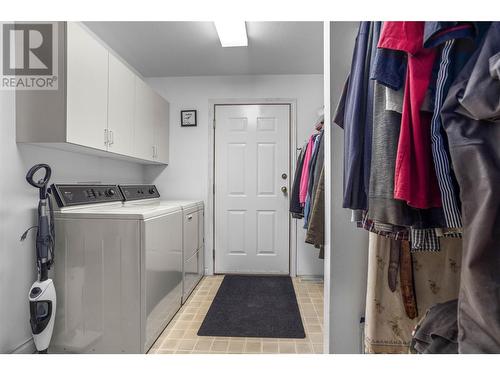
(111, 137)
(190, 217)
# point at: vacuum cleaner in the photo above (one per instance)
(42, 295)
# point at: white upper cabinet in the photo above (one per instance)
(161, 130)
(101, 106)
(121, 107)
(144, 120)
(87, 89)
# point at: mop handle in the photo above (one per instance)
(42, 183)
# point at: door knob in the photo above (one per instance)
(284, 189)
(284, 176)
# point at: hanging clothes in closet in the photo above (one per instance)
(307, 199)
(420, 108)
(471, 118)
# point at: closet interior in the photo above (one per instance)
(415, 129)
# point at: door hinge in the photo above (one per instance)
(106, 140)
(214, 123)
(213, 188)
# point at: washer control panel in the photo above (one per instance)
(135, 192)
(77, 194)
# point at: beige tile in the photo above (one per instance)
(269, 339)
(204, 344)
(253, 339)
(199, 317)
(316, 338)
(183, 325)
(222, 338)
(163, 351)
(175, 334)
(306, 306)
(309, 314)
(311, 320)
(186, 344)
(186, 316)
(318, 348)
(170, 344)
(314, 328)
(194, 326)
(287, 347)
(190, 334)
(303, 348)
(270, 347)
(236, 346)
(191, 309)
(220, 346)
(319, 308)
(253, 347)
(238, 339)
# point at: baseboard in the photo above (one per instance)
(28, 347)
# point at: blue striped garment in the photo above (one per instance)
(441, 159)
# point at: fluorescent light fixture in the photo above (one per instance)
(232, 33)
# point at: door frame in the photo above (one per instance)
(210, 211)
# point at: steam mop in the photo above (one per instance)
(42, 295)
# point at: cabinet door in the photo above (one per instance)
(121, 104)
(144, 120)
(87, 89)
(162, 129)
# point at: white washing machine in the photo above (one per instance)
(118, 270)
(193, 232)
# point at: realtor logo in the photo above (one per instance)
(29, 56)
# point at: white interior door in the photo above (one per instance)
(251, 169)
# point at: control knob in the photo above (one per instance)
(110, 192)
(152, 191)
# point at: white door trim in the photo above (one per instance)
(210, 212)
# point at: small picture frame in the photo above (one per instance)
(188, 117)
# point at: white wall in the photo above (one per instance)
(17, 212)
(187, 174)
(347, 260)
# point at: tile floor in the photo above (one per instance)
(180, 336)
